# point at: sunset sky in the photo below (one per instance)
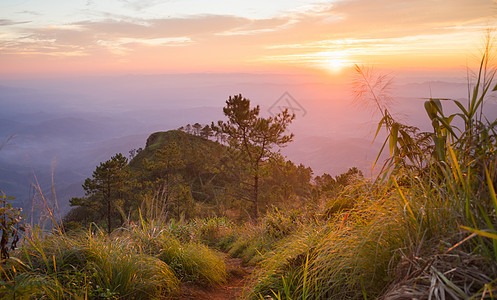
(164, 36)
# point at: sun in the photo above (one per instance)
(335, 64)
(334, 61)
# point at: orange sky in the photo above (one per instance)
(153, 36)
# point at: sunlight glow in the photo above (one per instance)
(334, 61)
(190, 35)
(330, 61)
(335, 64)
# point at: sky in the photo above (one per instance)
(166, 36)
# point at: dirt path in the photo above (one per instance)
(238, 276)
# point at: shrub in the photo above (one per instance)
(10, 226)
(94, 265)
(189, 260)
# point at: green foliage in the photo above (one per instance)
(252, 139)
(204, 131)
(194, 262)
(464, 159)
(80, 217)
(333, 258)
(24, 285)
(277, 224)
(194, 182)
(328, 187)
(10, 225)
(124, 272)
(400, 236)
(358, 250)
(85, 265)
(134, 152)
(161, 174)
(138, 262)
(284, 183)
(190, 260)
(211, 231)
(282, 269)
(251, 242)
(105, 190)
(426, 226)
(183, 176)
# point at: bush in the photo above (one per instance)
(339, 257)
(94, 265)
(190, 261)
(10, 226)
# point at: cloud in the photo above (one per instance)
(29, 12)
(351, 30)
(5, 22)
(340, 31)
(314, 26)
(141, 4)
(395, 18)
(119, 35)
(350, 51)
(161, 28)
(252, 27)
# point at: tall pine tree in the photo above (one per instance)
(253, 137)
(106, 187)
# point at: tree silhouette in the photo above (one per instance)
(105, 187)
(164, 175)
(197, 128)
(253, 137)
(206, 132)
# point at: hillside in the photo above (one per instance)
(199, 167)
(193, 148)
(425, 225)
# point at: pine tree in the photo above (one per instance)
(106, 187)
(253, 137)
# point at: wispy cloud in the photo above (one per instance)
(117, 35)
(339, 32)
(29, 12)
(353, 51)
(161, 28)
(260, 26)
(141, 4)
(351, 31)
(5, 22)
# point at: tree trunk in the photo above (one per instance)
(121, 216)
(256, 196)
(109, 229)
(108, 217)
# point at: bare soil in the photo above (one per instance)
(238, 277)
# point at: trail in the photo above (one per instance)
(238, 276)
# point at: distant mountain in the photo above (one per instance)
(433, 89)
(71, 167)
(333, 155)
(80, 122)
(68, 128)
(9, 128)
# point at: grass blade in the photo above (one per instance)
(481, 232)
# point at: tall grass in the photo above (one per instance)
(339, 255)
(281, 269)
(251, 242)
(190, 260)
(92, 265)
(389, 240)
(138, 262)
(144, 261)
(425, 228)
